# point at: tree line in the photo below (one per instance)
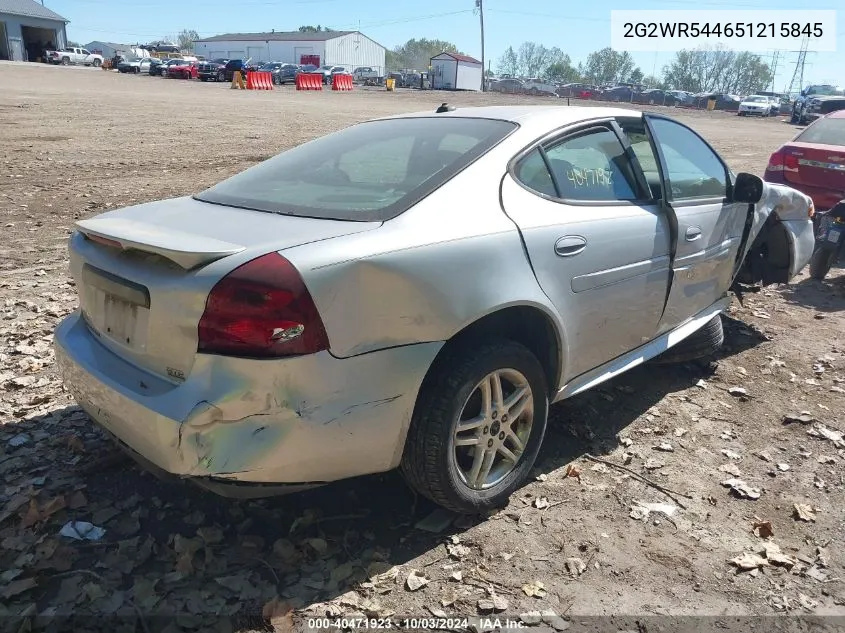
(704, 69)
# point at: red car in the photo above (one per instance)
(183, 70)
(814, 161)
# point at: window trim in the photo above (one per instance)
(666, 180)
(560, 135)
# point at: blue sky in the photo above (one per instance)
(576, 27)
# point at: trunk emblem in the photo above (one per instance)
(287, 334)
(176, 373)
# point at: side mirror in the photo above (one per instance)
(748, 188)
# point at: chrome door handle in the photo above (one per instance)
(570, 245)
(693, 233)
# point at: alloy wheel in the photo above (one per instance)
(492, 431)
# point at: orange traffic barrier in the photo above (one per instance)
(259, 81)
(309, 81)
(342, 82)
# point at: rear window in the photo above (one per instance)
(824, 132)
(368, 172)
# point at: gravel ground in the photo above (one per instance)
(574, 543)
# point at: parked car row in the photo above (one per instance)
(224, 69)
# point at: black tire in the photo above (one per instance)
(65, 61)
(427, 464)
(96, 63)
(221, 76)
(821, 262)
(203, 79)
(700, 344)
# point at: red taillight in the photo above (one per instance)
(775, 161)
(783, 160)
(261, 309)
(790, 162)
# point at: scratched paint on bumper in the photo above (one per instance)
(306, 419)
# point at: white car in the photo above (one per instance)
(540, 87)
(755, 104)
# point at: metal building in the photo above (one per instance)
(27, 28)
(453, 71)
(109, 49)
(350, 49)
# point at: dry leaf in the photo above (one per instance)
(575, 566)
(319, 545)
(75, 444)
(493, 603)
(541, 502)
(731, 469)
(775, 556)
(535, 589)
(572, 471)
(763, 529)
(741, 489)
(800, 418)
(749, 561)
(17, 587)
(804, 512)
(416, 581)
(279, 614)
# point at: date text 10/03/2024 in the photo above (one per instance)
(414, 624)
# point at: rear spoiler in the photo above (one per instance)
(185, 249)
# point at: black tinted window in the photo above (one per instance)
(825, 131)
(368, 172)
(532, 172)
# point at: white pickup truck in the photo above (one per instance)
(74, 55)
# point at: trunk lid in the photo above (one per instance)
(143, 273)
(818, 165)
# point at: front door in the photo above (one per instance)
(597, 241)
(694, 183)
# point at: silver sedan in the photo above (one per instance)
(413, 292)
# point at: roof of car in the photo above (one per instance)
(561, 115)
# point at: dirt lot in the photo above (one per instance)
(77, 143)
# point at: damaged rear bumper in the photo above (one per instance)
(304, 420)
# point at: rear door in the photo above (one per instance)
(597, 241)
(694, 184)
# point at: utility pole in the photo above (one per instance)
(798, 75)
(479, 4)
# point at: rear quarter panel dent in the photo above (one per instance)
(425, 275)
